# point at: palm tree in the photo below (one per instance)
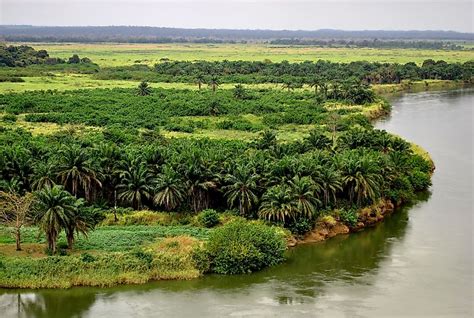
(200, 79)
(317, 139)
(214, 83)
(323, 89)
(239, 91)
(169, 191)
(268, 139)
(75, 172)
(79, 224)
(135, 185)
(303, 191)
(289, 85)
(330, 181)
(55, 208)
(242, 189)
(315, 82)
(360, 179)
(43, 175)
(144, 89)
(108, 157)
(277, 204)
(336, 92)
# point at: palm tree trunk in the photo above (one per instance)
(70, 239)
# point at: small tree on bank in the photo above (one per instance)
(14, 210)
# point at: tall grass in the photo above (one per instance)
(104, 269)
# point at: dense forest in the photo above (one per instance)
(375, 43)
(151, 34)
(249, 72)
(288, 183)
(23, 55)
(285, 72)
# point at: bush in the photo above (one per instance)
(300, 226)
(10, 118)
(87, 258)
(349, 217)
(179, 128)
(208, 218)
(420, 180)
(244, 247)
(328, 221)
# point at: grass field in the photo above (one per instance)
(115, 54)
(83, 81)
(62, 82)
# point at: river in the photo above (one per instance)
(418, 262)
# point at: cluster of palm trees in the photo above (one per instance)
(264, 179)
(52, 208)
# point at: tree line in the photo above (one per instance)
(375, 43)
(130, 33)
(24, 55)
(251, 72)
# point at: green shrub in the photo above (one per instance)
(10, 118)
(179, 127)
(420, 180)
(201, 259)
(87, 258)
(208, 218)
(300, 226)
(244, 247)
(348, 216)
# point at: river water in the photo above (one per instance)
(418, 262)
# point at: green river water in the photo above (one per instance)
(417, 263)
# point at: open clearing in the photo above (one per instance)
(116, 54)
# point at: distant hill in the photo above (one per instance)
(159, 34)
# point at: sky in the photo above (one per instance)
(456, 15)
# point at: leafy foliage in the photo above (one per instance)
(239, 247)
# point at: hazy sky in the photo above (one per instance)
(244, 14)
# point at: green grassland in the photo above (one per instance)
(61, 82)
(119, 54)
(70, 81)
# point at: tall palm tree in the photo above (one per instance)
(289, 86)
(304, 195)
(108, 157)
(214, 83)
(360, 179)
(79, 224)
(55, 208)
(135, 185)
(277, 204)
(144, 89)
(323, 89)
(330, 181)
(336, 91)
(315, 82)
(75, 171)
(200, 79)
(242, 189)
(43, 175)
(170, 191)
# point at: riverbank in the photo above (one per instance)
(419, 86)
